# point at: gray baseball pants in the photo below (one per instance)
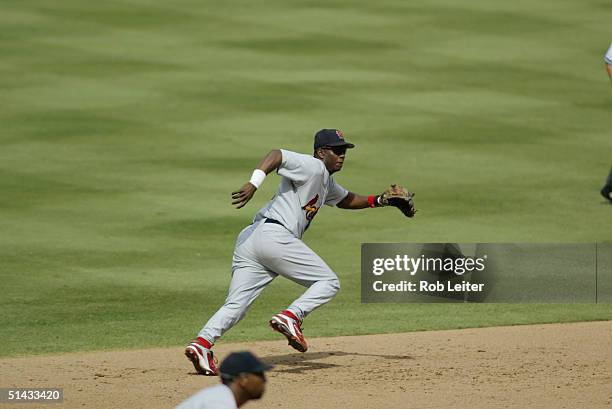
(263, 251)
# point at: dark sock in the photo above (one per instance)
(609, 182)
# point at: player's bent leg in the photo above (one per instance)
(249, 278)
(246, 285)
(293, 259)
(319, 293)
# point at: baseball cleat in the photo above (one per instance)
(202, 359)
(287, 324)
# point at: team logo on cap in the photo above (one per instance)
(340, 134)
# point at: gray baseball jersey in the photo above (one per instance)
(215, 397)
(265, 250)
(608, 56)
(305, 186)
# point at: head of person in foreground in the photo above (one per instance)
(244, 374)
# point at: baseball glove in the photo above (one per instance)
(398, 196)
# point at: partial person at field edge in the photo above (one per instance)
(608, 59)
(606, 191)
(242, 379)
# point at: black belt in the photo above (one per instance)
(274, 222)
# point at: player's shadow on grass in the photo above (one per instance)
(300, 363)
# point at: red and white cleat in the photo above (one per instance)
(202, 358)
(288, 324)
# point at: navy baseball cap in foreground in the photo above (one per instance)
(330, 137)
(242, 362)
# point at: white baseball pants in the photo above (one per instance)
(264, 251)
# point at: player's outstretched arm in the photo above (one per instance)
(354, 201)
(269, 163)
(394, 195)
(609, 69)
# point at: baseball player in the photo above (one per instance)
(272, 245)
(606, 191)
(608, 59)
(242, 379)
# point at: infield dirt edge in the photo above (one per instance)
(547, 365)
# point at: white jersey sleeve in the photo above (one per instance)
(608, 56)
(335, 193)
(296, 167)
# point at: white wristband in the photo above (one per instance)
(257, 178)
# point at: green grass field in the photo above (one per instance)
(125, 125)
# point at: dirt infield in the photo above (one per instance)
(539, 366)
